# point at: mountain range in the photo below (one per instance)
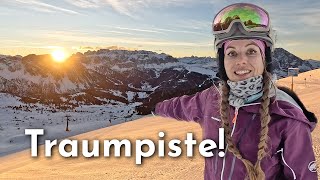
(118, 77)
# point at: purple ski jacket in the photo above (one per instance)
(290, 153)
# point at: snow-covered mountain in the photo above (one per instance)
(283, 59)
(117, 77)
(99, 88)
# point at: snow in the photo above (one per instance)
(117, 68)
(63, 99)
(20, 73)
(23, 166)
(196, 60)
(91, 66)
(182, 80)
(17, 116)
(205, 66)
(9, 100)
(201, 70)
(158, 66)
(146, 87)
(141, 55)
(114, 92)
(57, 167)
(78, 94)
(65, 85)
(130, 95)
(142, 95)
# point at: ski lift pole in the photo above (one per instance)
(293, 72)
(67, 128)
(67, 116)
(305, 81)
(291, 83)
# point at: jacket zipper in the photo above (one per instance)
(234, 121)
(235, 115)
(237, 145)
(225, 152)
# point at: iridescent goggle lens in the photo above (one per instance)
(252, 17)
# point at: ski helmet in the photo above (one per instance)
(242, 21)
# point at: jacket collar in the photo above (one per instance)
(281, 104)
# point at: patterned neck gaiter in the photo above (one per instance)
(245, 91)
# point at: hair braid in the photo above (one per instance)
(265, 119)
(224, 112)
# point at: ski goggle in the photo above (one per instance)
(252, 18)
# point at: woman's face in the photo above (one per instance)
(243, 60)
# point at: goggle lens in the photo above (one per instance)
(251, 16)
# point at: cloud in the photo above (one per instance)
(193, 24)
(299, 14)
(151, 30)
(86, 3)
(74, 37)
(180, 31)
(44, 7)
(129, 7)
(120, 32)
(311, 19)
(139, 30)
(291, 44)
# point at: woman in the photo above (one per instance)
(267, 133)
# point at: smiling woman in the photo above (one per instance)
(268, 135)
(59, 55)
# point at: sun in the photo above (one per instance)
(59, 55)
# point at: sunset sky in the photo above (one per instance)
(176, 27)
